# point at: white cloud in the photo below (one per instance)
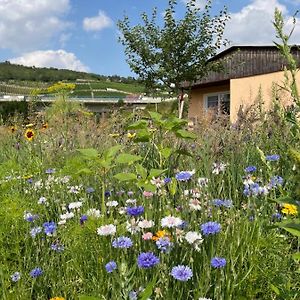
(97, 23)
(57, 59)
(253, 24)
(198, 3)
(26, 25)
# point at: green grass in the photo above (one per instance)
(258, 257)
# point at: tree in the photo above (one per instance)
(176, 52)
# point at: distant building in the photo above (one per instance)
(250, 73)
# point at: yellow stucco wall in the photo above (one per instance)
(246, 91)
(243, 92)
(196, 105)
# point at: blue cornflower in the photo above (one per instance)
(133, 295)
(250, 169)
(135, 210)
(276, 181)
(90, 190)
(277, 216)
(107, 193)
(227, 203)
(167, 180)
(218, 202)
(218, 262)
(184, 175)
(30, 180)
(164, 244)
(35, 230)
(111, 266)
(57, 247)
(182, 273)
(49, 228)
(122, 242)
(16, 276)
(147, 260)
(251, 218)
(50, 171)
(83, 219)
(273, 157)
(29, 217)
(210, 228)
(36, 272)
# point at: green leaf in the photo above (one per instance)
(84, 171)
(147, 292)
(166, 152)
(296, 256)
(83, 297)
(89, 153)
(141, 171)
(185, 134)
(149, 187)
(275, 289)
(141, 124)
(156, 117)
(112, 151)
(292, 227)
(125, 158)
(156, 172)
(125, 176)
(174, 123)
(142, 136)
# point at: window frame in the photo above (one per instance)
(206, 108)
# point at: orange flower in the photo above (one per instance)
(29, 134)
(45, 126)
(13, 129)
(160, 234)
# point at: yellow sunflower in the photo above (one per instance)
(58, 298)
(289, 209)
(29, 134)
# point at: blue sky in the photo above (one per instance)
(82, 34)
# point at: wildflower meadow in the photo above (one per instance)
(139, 207)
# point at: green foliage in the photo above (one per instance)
(176, 52)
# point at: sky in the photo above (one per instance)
(82, 35)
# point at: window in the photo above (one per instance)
(218, 101)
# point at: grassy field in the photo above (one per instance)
(139, 207)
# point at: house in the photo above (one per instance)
(250, 74)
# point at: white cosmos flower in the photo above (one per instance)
(112, 203)
(42, 200)
(146, 224)
(75, 205)
(171, 222)
(93, 212)
(66, 216)
(194, 204)
(107, 230)
(193, 236)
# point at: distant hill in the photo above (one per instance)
(20, 80)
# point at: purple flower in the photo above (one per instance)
(50, 171)
(218, 262)
(49, 228)
(164, 244)
(57, 247)
(36, 272)
(29, 217)
(83, 219)
(250, 169)
(147, 260)
(111, 266)
(182, 273)
(135, 210)
(210, 228)
(107, 193)
(16, 276)
(184, 175)
(167, 180)
(276, 181)
(90, 190)
(35, 230)
(273, 157)
(277, 216)
(122, 242)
